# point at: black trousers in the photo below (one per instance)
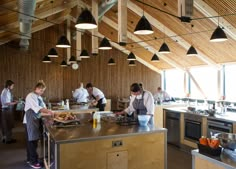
(7, 123)
(100, 105)
(27, 144)
(31, 149)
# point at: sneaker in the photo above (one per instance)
(36, 165)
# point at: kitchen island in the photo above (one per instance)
(105, 146)
(201, 161)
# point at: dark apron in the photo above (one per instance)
(100, 106)
(34, 126)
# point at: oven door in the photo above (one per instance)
(218, 127)
(193, 130)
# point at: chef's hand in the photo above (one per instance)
(119, 113)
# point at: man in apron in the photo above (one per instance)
(141, 102)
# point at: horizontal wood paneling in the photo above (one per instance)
(25, 69)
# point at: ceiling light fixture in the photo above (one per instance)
(155, 58)
(72, 59)
(192, 51)
(143, 27)
(84, 54)
(63, 64)
(218, 35)
(105, 44)
(131, 56)
(46, 59)
(164, 48)
(86, 20)
(52, 53)
(111, 62)
(63, 42)
(132, 63)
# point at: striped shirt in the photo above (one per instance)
(6, 97)
(34, 102)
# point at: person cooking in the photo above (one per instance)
(7, 113)
(141, 102)
(81, 94)
(161, 95)
(34, 109)
(97, 95)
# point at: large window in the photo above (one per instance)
(175, 82)
(230, 85)
(206, 77)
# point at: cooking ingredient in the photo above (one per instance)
(203, 141)
(213, 142)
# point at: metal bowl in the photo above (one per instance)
(227, 140)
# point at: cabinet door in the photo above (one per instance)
(117, 160)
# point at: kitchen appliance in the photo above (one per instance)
(215, 126)
(192, 127)
(173, 126)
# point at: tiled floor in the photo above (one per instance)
(12, 156)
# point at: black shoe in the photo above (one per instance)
(10, 141)
(3, 140)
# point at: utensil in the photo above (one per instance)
(227, 140)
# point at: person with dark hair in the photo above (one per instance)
(7, 113)
(97, 95)
(34, 109)
(141, 102)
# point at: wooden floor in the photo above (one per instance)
(13, 156)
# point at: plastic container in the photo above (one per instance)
(208, 150)
(67, 107)
(143, 119)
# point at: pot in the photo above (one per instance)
(227, 140)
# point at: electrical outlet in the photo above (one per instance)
(117, 143)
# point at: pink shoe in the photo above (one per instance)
(36, 165)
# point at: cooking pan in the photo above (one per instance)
(227, 140)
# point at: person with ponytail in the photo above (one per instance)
(34, 109)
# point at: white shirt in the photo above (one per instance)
(5, 97)
(81, 95)
(148, 103)
(32, 101)
(96, 92)
(163, 95)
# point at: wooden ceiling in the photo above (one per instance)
(177, 34)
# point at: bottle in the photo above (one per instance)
(62, 103)
(67, 104)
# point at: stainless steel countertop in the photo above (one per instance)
(222, 161)
(227, 116)
(86, 132)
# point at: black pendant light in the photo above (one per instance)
(111, 62)
(46, 59)
(52, 53)
(218, 35)
(63, 42)
(72, 59)
(155, 58)
(84, 54)
(132, 63)
(86, 20)
(63, 64)
(131, 56)
(105, 44)
(143, 27)
(192, 51)
(164, 48)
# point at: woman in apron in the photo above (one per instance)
(34, 109)
(141, 102)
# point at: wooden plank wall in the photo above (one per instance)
(25, 69)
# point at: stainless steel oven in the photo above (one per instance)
(215, 126)
(192, 127)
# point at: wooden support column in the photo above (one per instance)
(78, 37)
(122, 21)
(68, 35)
(196, 83)
(95, 31)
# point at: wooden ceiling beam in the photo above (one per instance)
(207, 11)
(157, 24)
(144, 44)
(40, 15)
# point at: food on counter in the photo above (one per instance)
(203, 141)
(213, 142)
(64, 116)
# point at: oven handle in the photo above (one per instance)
(194, 122)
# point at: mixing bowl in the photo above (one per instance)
(143, 119)
(227, 140)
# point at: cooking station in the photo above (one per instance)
(107, 145)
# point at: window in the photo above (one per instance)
(230, 89)
(206, 78)
(175, 82)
